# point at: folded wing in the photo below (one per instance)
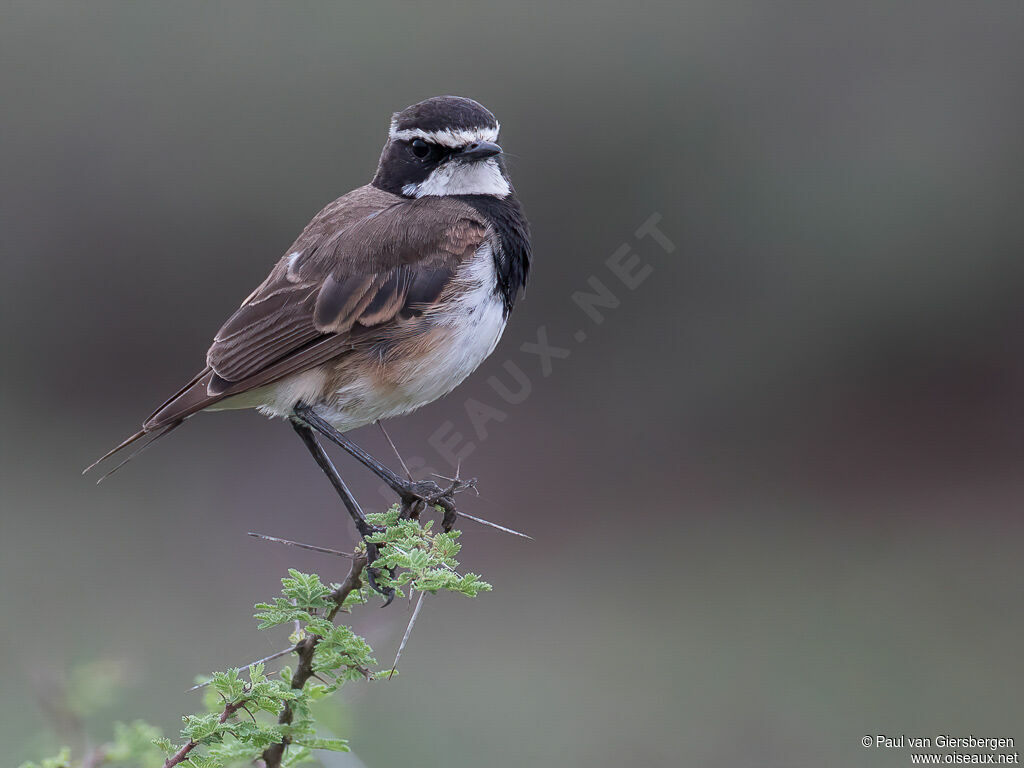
(368, 259)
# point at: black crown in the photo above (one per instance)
(441, 112)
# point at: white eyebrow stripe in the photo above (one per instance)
(448, 137)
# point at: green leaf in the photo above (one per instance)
(305, 589)
(334, 745)
(199, 727)
(229, 685)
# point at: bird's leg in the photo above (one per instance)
(410, 492)
(364, 527)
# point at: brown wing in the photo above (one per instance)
(366, 259)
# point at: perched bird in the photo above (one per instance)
(391, 296)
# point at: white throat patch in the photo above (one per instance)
(481, 177)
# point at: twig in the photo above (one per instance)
(271, 657)
(300, 545)
(408, 631)
(305, 649)
(181, 754)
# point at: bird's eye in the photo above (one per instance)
(420, 148)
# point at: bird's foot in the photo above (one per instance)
(372, 554)
(416, 495)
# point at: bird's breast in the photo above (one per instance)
(425, 357)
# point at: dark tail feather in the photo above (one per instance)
(191, 398)
(137, 436)
(156, 435)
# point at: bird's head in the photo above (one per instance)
(443, 146)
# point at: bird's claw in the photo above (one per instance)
(372, 553)
(419, 494)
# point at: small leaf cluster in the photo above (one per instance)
(303, 598)
(421, 559)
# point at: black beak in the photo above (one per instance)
(479, 151)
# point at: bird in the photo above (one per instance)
(388, 299)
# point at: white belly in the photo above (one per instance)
(461, 349)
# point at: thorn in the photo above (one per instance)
(408, 631)
(300, 545)
(393, 448)
(495, 525)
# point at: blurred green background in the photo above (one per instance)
(776, 493)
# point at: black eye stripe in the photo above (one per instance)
(428, 151)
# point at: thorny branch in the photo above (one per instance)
(304, 649)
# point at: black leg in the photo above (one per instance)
(364, 528)
(412, 493)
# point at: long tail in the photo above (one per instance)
(190, 399)
(153, 435)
